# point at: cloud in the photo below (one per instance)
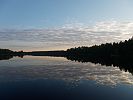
(69, 35)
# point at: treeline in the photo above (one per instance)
(59, 53)
(124, 48)
(5, 52)
(116, 54)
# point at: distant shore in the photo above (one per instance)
(109, 53)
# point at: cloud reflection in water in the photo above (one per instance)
(59, 68)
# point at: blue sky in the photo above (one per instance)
(53, 13)
(52, 23)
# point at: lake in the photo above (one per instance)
(56, 78)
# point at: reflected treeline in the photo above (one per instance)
(6, 54)
(116, 54)
(7, 57)
(123, 63)
(2, 57)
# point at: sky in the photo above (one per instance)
(60, 24)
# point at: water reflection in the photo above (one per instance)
(7, 57)
(32, 68)
(124, 64)
(2, 57)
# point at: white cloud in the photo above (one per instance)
(69, 35)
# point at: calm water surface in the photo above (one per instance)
(56, 78)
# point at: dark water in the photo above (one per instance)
(56, 78)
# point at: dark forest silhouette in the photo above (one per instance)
(110, 54)
(116, 54)
(6, 54)
(121, 49)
